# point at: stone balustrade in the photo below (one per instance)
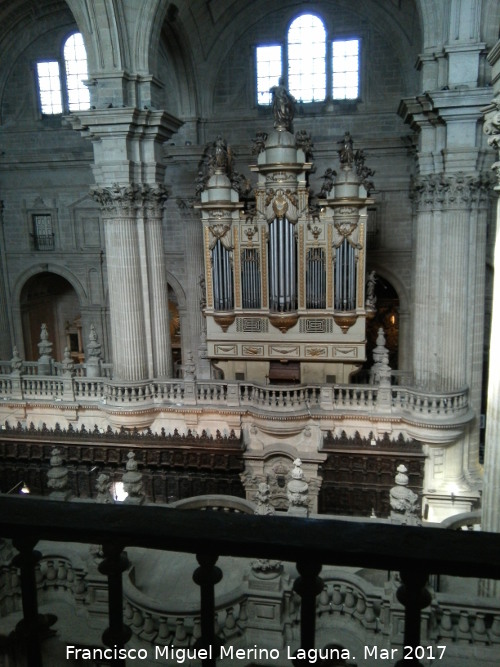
(395, 401)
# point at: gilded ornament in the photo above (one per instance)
(283, 321)
(345, 320)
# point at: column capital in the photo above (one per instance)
(126, 200)
(451, 191)
(127, 142)
(491, 128)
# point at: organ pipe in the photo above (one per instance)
(222, 275)
(282, 266)
(316, 279)
(250, 278)
(345, 277)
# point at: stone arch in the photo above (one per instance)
(18, 35)
(19, 310)
(178, 353)
(104, 30)
(401, 361)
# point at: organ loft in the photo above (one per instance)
(285, 269)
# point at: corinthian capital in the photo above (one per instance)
(444, 191)
(128, 199)
(491, 127)
(122, 199)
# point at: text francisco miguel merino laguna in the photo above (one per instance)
(181, 655)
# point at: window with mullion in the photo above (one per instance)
(269, 71)
(345, 69)
(49, 87)
(307, 59)
(56, 97)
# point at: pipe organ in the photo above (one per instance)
(285, 281)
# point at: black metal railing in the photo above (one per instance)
(413, 551)
(43, 241)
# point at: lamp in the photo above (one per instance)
(24, 488)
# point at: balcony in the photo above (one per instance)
(422, 627)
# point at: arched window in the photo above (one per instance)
(75, 64)
(315, 65)
(307, 58)
(60, 82)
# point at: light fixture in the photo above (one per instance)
(24, 488)
(118, 491)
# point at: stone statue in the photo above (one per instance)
(283, 107)
(16, 363)
(262, 497)
(346, 153)
(132, 482)
(371, 299)
(297, 490)
(404, 508)
(103, 488)
(328, 181)
(58, 477)
(67, 365)
(221, 155)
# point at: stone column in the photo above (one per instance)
(5, 338)
(490, 520)
(154, 199)
(194, 243)
(129, 172)
(119, 211)
(449, 271)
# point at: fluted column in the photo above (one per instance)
(154, 199)
(5, 339)
(194, 241)
(490, 519)
(119, 211)
(449, 276)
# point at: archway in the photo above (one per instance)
(175, 331)
(387, 318)
(49, 298)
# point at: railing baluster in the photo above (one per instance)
(414, 595)
(114, 563)
(31, 624)
(206, 576)
(308, 586)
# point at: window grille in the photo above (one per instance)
(75, 63)
(49, 87)
(55, 97)
(345, 69)
(315, 67)
(43, 233)
(269, 70)
(307, 58)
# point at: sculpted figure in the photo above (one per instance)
(283, 107)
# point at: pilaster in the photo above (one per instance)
(490, 520)
(5, 337)
(129, 172)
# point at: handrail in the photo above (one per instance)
(326, 541)
(414, 551)
(402, 402)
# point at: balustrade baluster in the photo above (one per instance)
(30, 626)
(414, 595)
(308, 585)
(114, 563)
(206, 576)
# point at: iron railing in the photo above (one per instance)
(311, 543)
